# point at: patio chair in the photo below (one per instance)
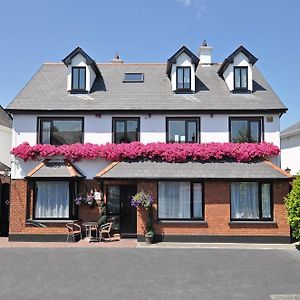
(73, 231)
(105, 230)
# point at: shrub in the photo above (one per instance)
(292, 202)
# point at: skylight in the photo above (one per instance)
(134, 77)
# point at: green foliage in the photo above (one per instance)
(292, 202)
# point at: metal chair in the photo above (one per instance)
(105, 230)
(73, 230)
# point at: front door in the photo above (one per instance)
(119, 207)
(4, 206)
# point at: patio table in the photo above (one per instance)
(88, 229)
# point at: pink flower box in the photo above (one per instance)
(240, 152)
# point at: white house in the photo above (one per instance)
(186, 100)
(5, 139)
(290, 148)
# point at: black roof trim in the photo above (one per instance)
(148, 111)
(89, 60)
(252, 59)
(172, 60)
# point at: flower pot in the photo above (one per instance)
(149, 240)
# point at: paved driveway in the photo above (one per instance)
(148, 273)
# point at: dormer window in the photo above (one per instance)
(183, 81)
(241, 78)
(181, 69)
(78, 78)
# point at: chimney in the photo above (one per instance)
(117, 59)
(204, 53)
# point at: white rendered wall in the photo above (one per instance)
(98, 130)
(79, 61)
(183, 61)
(290, 153)
(5, 145)
(239, 61)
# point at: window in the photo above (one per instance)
(180, 200)
(60, 131)
(133, 77)
(241, 78)
(245, 130)
(52, 200)
(183, 75)
(183, 130)
(251, 201)
(126, 130)
(78, 78)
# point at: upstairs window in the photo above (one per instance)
(78, 78)
(241, 78)
(183, 75)
(133, 77)
(60, 131)
(126, 130)
(182, 130)
(245, 130)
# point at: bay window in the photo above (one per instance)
(53, 200)
(251, 201)
(183, 130)
(60, 131)
(180, 200)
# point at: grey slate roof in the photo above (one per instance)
(53, 169)
(189, 170)
(5, 120)
(47, 90)
(292, 130)
(3, 167)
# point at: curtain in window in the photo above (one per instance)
(52, 199)
(244, 200)
(174, 200)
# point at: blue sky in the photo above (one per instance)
(37, 31)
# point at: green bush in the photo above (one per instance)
(292, 202)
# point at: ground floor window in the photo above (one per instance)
(251, 201)
(52, 200)
(180, 200)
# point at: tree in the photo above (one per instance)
(292, 202)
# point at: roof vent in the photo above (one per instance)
(117, 59)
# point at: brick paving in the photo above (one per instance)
(115, 243)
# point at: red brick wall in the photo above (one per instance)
(217, 214)
(21, 210)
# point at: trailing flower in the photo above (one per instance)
(240, 152)
(142, 199)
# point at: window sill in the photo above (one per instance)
(199, 222)
(184, 91)
(78, 92)
(252, 224)
(47, 221)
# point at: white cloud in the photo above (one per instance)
(198, 6)
(185, 2)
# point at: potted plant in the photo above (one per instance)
(145, 200)
(85, 198)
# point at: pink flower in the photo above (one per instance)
(176, 152)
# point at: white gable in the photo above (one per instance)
(240, 60)
(183, 60)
